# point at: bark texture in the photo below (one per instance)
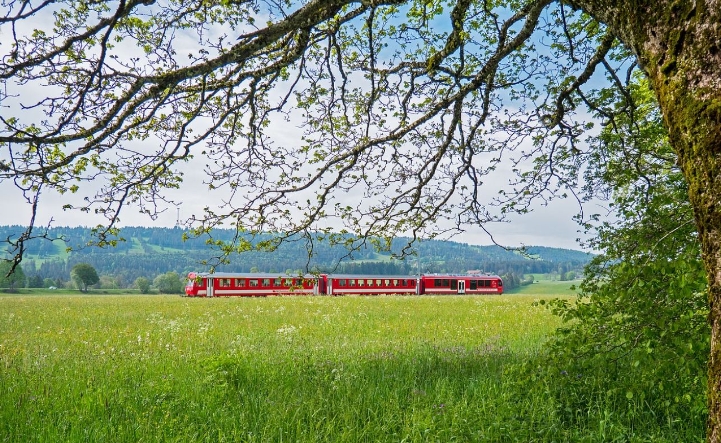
(679, 45)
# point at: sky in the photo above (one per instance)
(551, 225)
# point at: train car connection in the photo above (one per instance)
(264, 284)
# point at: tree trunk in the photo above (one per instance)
(685, 69)
(678, 43)
(683, 59)
(695, 127)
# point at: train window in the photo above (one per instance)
(224, 282)
(266, 282)
(289, 282)
(387, 282)
(278, 282)
(378, 282)
(253, 283)
(486, 283)
(454, 284)
(239, 282)
(351, 283)
(361, 282)
(438, 283)
(341, 282)
(369, 282)
(201, 284)
(411, 283)
(395, 282)
(500, 283)
(474, 284)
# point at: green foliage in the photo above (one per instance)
(168, 283)
(84, 275)
(14, 280)
(637, 341)
(35, 281)
(143, 285)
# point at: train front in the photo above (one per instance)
(191, 286)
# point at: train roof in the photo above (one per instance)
(373, 276)
(462, 275)
(247, 275)
(377, 276)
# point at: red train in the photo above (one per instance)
(260, 284)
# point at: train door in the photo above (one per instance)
(323, 285)
(211, 287)
(318, 285)
(461, 286)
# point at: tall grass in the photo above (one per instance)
(303, 369)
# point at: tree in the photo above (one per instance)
(11, 280)
(35, 281)
(143, 285)
(415, 102)
(84, 275)
(168, 283)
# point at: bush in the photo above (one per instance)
(168, 283)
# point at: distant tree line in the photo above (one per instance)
(146, 253)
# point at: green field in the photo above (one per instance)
(167, 368)
(548, 288)
(132, 368)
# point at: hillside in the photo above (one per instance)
(148, 252)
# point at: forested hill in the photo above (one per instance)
(148, 252)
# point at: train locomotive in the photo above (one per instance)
(223, 284)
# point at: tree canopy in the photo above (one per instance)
(84, 275)
(169, 283)
(11, 280)
(410, 104)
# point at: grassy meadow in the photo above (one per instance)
(167, 368)
(132, 368)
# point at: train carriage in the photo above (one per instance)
(250, 284)
(461, 284)
(343, 284)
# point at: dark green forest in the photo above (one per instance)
(149, 252)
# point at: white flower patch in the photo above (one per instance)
(287, 330)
